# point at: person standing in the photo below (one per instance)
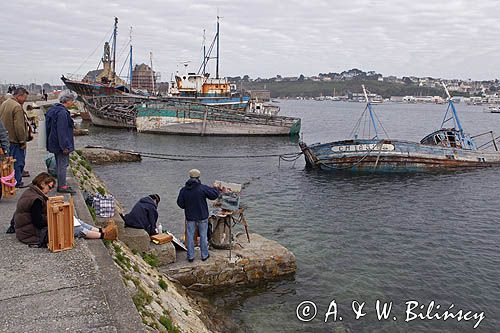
(59, 126)
(4, 140)
(13, 117)
(193, 199)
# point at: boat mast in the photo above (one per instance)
(453, 110)
(130, 64)
(115, 32)
(152, 73)
(369, 106)
(204, 54)
(217, 63)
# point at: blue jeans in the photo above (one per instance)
(82, 230)
(202, 230)
(62, 162)
(20, 156)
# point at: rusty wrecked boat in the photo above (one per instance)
(448, 148)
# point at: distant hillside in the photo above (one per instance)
(309, 88)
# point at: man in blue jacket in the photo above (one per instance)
(59, 125)
(144, 215)
(193, 199)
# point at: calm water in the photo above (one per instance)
(356, 237)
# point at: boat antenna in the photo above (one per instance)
(369, 106)
(115, 32)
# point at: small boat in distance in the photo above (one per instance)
(448, 148)
(493, 108)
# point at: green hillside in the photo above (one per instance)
(309, 88)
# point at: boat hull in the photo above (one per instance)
(181, 126)
(91, 89)
(393, 156)
(201, 120)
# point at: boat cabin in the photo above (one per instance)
(192, 84)
(450, 138)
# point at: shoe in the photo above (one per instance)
(21, 185)
(65, 189)
(203, 259)
(26, 173)
(11, 230)
(110, 231)
(190, 260)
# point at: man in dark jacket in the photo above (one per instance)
(193, 199)
(144, 215)
(59, 125)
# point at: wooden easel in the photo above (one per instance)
(7, 169)
(60, 216)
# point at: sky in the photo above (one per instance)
(41, 40)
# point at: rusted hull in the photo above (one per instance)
(401, 157)
(91, 89)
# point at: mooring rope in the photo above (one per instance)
(288, 157)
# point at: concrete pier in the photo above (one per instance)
(250, 263)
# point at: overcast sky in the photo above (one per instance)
(40, 40)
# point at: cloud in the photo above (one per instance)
(454, 39)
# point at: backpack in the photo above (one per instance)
(50, 162)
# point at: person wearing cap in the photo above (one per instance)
(144, 214)
(59, 126)
(193, 199)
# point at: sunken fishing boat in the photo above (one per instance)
(448, 148)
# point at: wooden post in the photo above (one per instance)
(60, 216)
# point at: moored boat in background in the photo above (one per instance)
(176, 117)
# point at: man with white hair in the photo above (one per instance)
(13, 118)
(59, 125)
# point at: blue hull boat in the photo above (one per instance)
(448, 148)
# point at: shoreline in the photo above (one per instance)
(261, 261)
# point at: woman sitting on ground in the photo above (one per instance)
(30, 218)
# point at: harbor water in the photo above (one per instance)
(392, 238)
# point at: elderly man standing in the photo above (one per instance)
(59, 126)
(13, 118)
(193, 199)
